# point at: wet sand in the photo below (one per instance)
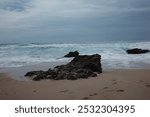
(110, 85)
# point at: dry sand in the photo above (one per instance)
(116, 84)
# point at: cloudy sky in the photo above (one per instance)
(61, 21)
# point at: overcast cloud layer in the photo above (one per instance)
(73, 20)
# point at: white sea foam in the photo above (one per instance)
(113, 54)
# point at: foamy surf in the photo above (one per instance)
(113, 54)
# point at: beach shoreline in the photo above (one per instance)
(117, 84)
(17, 73)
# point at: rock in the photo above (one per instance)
(82, 66)
(92, 62)
(72, 76)
(33, 73)
(37, 78)
(137, 51)
(93, 75)
(72, 54)
(48, 76)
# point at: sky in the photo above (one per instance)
(74, 21)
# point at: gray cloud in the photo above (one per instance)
(14, 5)
(73, 18)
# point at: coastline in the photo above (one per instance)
(17, 73)
(126, 84)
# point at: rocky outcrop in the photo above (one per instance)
(72, 54)
(92, 62)
(82, 66)
(137, 51)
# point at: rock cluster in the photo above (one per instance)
(82, 66)
(137, 51)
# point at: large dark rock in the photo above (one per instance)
(92, 62)
(72, 54)
(137, 51)
(82, 66)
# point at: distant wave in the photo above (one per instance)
(113, 54)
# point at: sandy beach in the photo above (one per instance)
(110, 85)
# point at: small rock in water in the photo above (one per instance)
(72, 54)
(137, 51)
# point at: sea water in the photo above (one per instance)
(113, 55)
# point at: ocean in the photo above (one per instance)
(113, 55)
